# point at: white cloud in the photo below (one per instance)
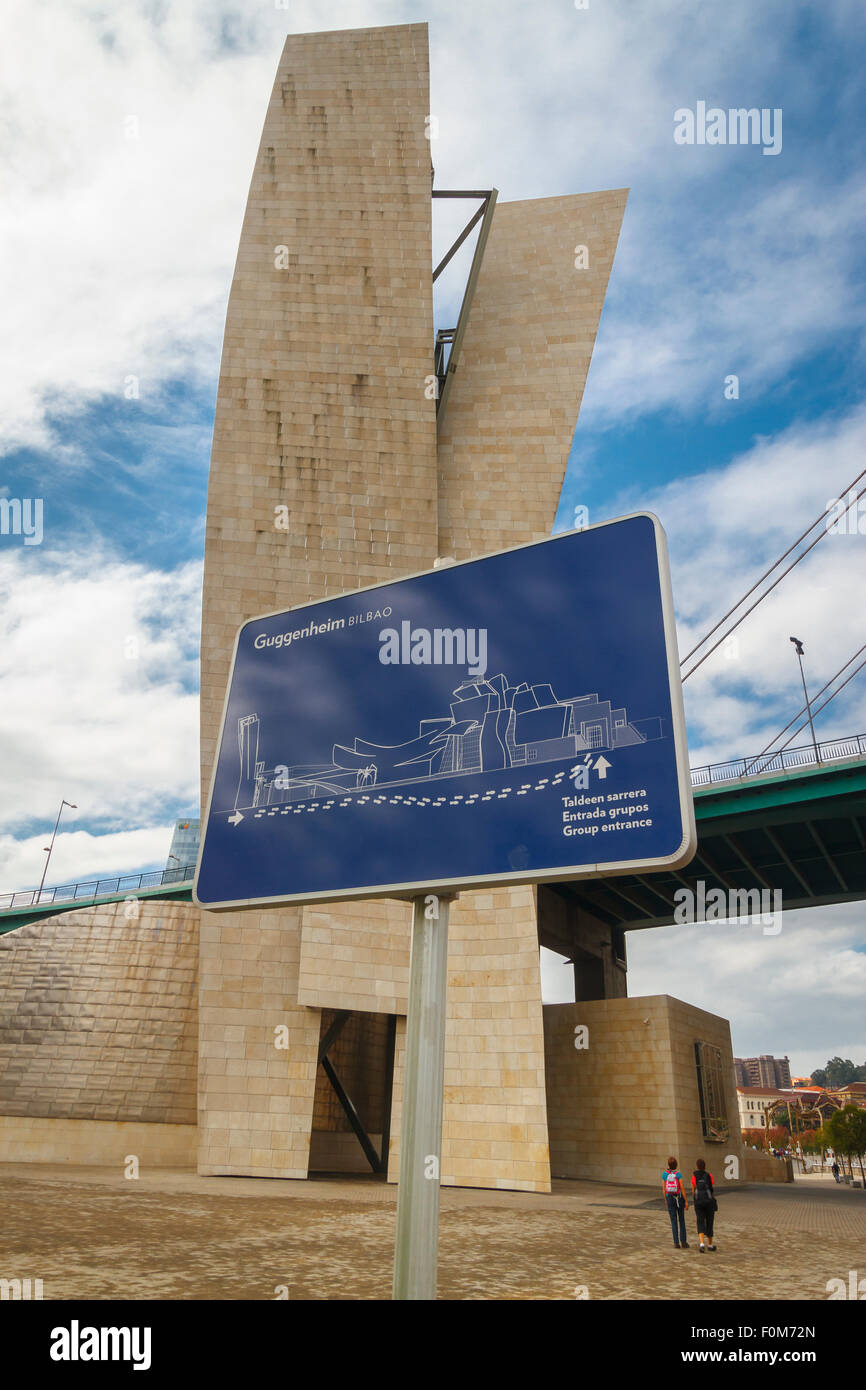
(99, 670)
(799, 993)
(78, 856)
(751, 293)
(728, 262)
(128, 155)
(119, 250)
(557, 978)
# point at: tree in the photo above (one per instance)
(810, 1141)
(822, 1139)
(839, 1071)
(846, 1132)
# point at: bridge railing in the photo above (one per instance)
(96, 888)
(829, 751)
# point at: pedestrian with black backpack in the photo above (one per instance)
(706, 1205)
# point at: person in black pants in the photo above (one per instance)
(675, 1200)
(705, 1204)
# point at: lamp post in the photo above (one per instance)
(798, 647)
(49, 848)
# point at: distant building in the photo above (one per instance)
(184, 844)
(753, 1103)
(813, 1103)
(762, 1071)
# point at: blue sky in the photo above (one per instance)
(127, 149)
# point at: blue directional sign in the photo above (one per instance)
(511, 719)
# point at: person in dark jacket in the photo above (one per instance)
(705, 1204)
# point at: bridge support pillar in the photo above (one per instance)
(595, 948)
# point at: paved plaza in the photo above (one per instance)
(90, 1233)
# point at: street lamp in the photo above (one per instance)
(798, 647)
(49, 848)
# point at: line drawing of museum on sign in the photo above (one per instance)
(492, 725)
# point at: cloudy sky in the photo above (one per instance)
(128, 131)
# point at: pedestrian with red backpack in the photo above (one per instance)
(676, 1203)
(706, 1205)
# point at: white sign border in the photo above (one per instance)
(615, 868)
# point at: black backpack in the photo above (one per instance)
(703, 1190)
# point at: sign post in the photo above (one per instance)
(512, 719)
(416, 1249)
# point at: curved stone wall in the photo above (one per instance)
(98, 1015)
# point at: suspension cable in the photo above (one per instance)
(753, 606)
(767, 572)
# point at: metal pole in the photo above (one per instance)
(808, 708)
(51, 846)
(417, 1242)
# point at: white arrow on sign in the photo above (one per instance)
(236, 818)
(601, 766)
